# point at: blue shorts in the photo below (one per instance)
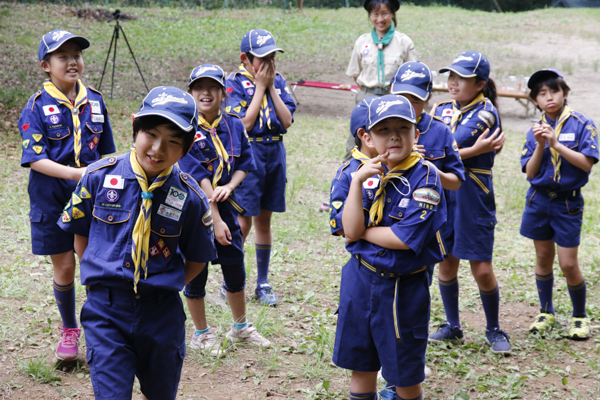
(234, 280)
(127, 336)
(475, 218)
(48, 197)
(557, 219)
(447, 231)
(365, 338)
(264, 188)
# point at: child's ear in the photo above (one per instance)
(368, 140)
(417, 133)
(480, 85)
(45, 66)
(243, 57)
(566, 94)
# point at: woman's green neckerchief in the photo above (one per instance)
(384, 41)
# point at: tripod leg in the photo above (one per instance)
(114, 59)
(106, 61)
(134, 60)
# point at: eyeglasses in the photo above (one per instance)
(382, 15)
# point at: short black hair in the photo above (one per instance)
(148, 122)
(553, 82)
(393, 5)
(249, 56)
(357, 140)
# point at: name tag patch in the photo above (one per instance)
(567, 137)
(98, 118)
(95, 105)
(176, 197)
(169, 212)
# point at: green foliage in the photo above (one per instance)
(38, 369)
(488, 5)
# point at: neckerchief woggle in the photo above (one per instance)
(264, 105)
(80, 100)
(458, 111)
(141, 229)
(357, 155)
(221, 152)
(376, 211)
(560, 122)
(380, 43)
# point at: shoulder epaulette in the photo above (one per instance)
(187, 180)
(438, 118)
(341, 169)
(34, 98)
(234, 115)
(444, 102)
(435, 171)
(95, 90)
(102, 163)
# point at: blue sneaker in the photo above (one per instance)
(388, 393)
(264, 293)
(447, 332)
(223, 293)
(498, 339)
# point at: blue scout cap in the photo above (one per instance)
(51, 41)
(390, 106)
(470, 64)
(259, 43)
(172, 103)
(207, 71)
(542, 75)
(360, 115)
(414, 78)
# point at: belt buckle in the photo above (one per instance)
(267, 138)
(552, 195)
(378, 91)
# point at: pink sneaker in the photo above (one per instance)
(67, 348)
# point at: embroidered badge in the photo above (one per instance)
(337, 204)
(77, 213)
(207, 218)
(166, 252)
(65, 217)
(229, 89)
(25, 126)
(84, 194)
(454, 145)
(99, 119)
(93, 143)
(278, 91)
(75, 199)
(199, 136)
(37, 137)
(591, 128)
(210, 167)
(487, 118)
(404, 202)
(365, 51)
(68, 205)
(114, 182)
(247, 84)
(154, 251)
(111, 195)
(237, 109)
(228, 109)
(250, 91)
(95, 106)
(49, 110)
(371, 183)
(176, 197)
(426, 195)
(54, 119)
(25, 143)
(164, 98)
(37, 149)
(287, 90)
(524, 152)
(332, 223)
(169, 212)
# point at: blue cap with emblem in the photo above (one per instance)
(390, 106)
(173, 104)
(207, 71)
(470, 64)
(542, 75)
(413, 78)
(51, 41)
(360, 115)
(259, 43)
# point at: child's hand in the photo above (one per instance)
(221, 193)
(549, 135)
(222, 233)
(370, 168)
(271, 72)
(537, 130)
(421, 148)
(485, 144)
(262, 76)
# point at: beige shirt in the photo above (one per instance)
(363, 64)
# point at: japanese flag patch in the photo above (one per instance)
(51, 109)
(247, 84)
(114, 182)
(371, 183)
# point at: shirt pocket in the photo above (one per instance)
(110, 232)
(60, 144)
(164, 241)
(574, 205)
(397, 213)
(434, 154)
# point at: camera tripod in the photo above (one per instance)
(115, 38)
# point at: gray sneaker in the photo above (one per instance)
(248, 335)
(206, 342)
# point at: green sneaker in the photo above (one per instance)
(580, 329)
(543, 322)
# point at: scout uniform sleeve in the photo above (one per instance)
(452, 161)
(339, 193)
(419, 216)
(33, 132)
(245, 161)
(529, 146)
(237, 98)
(107, 143)
(192, 164)
(474, 123)
(285, 94)
(410, 52)
(197, 233)
(77, 215)
(588, 142)
(354, 69)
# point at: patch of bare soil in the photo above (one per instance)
(98, 14)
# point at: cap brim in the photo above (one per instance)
(460, 71)
(409, 119)
(409, 89)
(177, 120)
(80, 40)
(205, 76)
(540, 76)
(265, 51)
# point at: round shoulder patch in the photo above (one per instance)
(487, 117)
(427, 195)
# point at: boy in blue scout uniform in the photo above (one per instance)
(389, 260)
(219, 160)
(144, 229)
(64, 127)
(471, 116)
(557, 157)
(260, 97)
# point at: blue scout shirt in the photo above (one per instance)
(415, 212)
(47, 130)
(241, 91)
(202, 161)
(579, 134)
(105, 207)
(440, 147)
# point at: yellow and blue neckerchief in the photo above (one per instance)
(81, 99)
(560, 122)
(264, 113)
(211, 129)
(458, 111)
(357, 155)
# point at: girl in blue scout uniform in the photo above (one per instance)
(388, 267)
(64, 127)
(260, 97)
(144, 229)
(471, 115)
(557, 157)
(219, 160)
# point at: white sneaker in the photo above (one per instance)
(428, 372)
(249, 335)
(204, 342)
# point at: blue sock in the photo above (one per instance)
(449, 291)
(65, 300)
(419, 397)
(545, 284)
(263, 257)
(578, 293)
(240, 326)
(491, 307)
(199, 332)
(363, 396)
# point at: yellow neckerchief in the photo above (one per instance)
(556, 158)
(221, 152)
(80, 100)
(376, 211)
(357, 155)
(458, 111)
(264, 105)
(141, 229)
